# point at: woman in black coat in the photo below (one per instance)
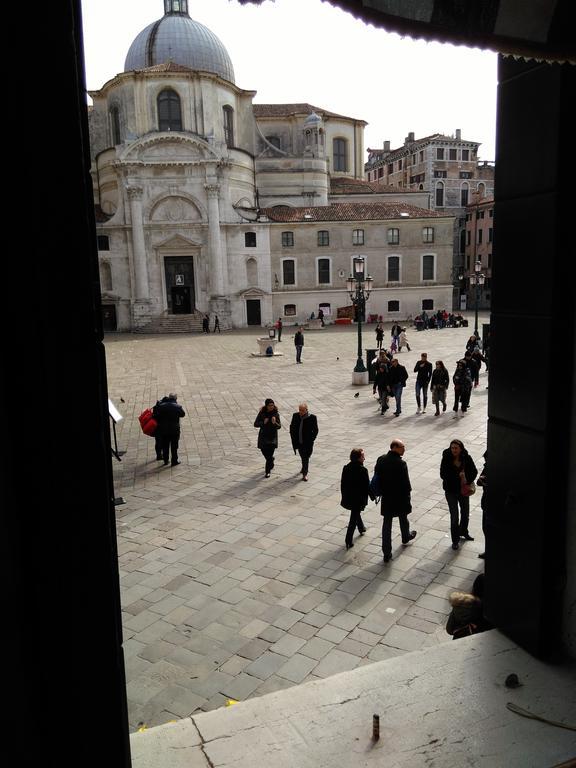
(457, 467)
(355, 489)
(268, 422)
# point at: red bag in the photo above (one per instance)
(148, 422)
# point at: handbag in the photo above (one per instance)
(467, 489)
(147, 422)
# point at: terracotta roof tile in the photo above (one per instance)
(348, 212)
(288, 110)
(341, 185)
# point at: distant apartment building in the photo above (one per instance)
(479, 236)
(447, 168)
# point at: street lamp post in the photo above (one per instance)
(477, 279)
(359, 287)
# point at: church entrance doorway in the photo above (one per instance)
(253, 314)
(108, 318)
(179, 273)
(181, 304)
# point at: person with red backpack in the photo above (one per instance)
(168, 413)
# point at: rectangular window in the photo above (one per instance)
(339, 152)
(323, 237)
(464, 197)
(466, 154)
(380, 172)
(428, 235)
(468, 237)
(393, 236)
(326, 308)
(400, 165)
(393, 269)
(393, 306)
(228, 114)
(465, 174)
(439, 154)
(103, 243)
(357, 237)
(440, 195)
(323, 271)
(479, 237)
(422, 156)
(490, 234)
(289, 272)
(427, 304)
(250, 239)
(287, 239)
(440, 174)
(453, 154)
(428, 267)
(390, 167)
(289, 310)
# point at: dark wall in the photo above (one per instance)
(532, 355)
(62, 621)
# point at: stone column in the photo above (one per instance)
(141, 289)
(216, 255)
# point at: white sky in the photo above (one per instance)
(308, 51)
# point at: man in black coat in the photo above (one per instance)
(397, 377)
(299, 343)
(395, 483)
(303, 431)
(168, 413)
(423, 371)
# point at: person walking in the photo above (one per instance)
(462, 386)
(206, 324)
(268, 422)
(355, 490)
(168, 413)
(303, 431)
(403, 341)
(279, 326)
(456, 469)
(395, 332)
(397, 377)
(393, 478)
(483, 483)
(381, 384)
(299, 343)
(379, 335)
(423, 371)
(439, 384)
(157, 437)
(216, 323)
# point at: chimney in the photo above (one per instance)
(386, 146)
(410, 138)
(459, 134)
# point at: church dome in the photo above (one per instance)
(178, 38)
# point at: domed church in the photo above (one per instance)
(192, 182)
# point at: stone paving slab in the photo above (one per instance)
(234, 585)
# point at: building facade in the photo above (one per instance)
(446, 167)
(192, 180)
(478, 250)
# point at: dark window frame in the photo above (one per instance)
(287, 239)
(169, 107)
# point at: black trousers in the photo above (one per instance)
(268, 453)
(305, 454)
(170, 447)
(354, 522)
(387, 531)
(459, 507)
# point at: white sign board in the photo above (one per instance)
(114, 413)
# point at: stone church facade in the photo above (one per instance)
(188, 172)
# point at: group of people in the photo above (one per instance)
(439, 319)
(391, 485)
(390, 380)
(206, 324)
(303, 433)
(398, 334)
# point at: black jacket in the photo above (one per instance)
(397, 374)
(424, 371)
(440, 378)
(393, 473)
(450, 473)
(309, 431)
(298, 339)
(268, 435)
(380, 380)
(354, 486)
(168, 413)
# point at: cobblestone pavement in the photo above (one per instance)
(234, 585)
